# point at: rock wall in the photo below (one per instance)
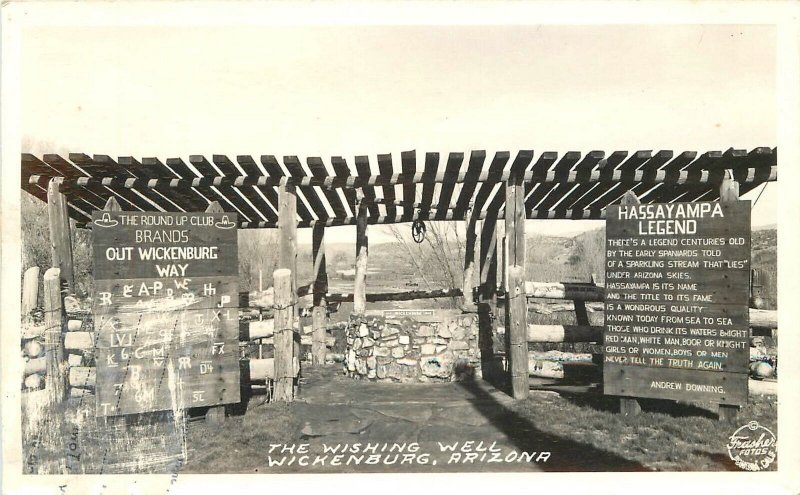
(409, 346)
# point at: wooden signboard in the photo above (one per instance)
(166, 310)
(676, 315)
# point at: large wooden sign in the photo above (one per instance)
(676, 315)
(165, 305)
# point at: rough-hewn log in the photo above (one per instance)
(357, 182)
(30, 290)
(362, 251)
(763, 318)
(514, 284)
(35, 365)
(284, 335)
(60, 239)
(54, 349)
(396, 296)
(82, 376)
(516, 321)
(319, 313)
(33, 348)
(74, 325)
(564, 333)
(78, 341)
(469, 261)
(565, 290)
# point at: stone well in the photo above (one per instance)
(413, 346)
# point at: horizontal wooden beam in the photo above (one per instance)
(359, 181)
(565, 290)
(565, 333)
(397, 296)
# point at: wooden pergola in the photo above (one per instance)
(266, 192)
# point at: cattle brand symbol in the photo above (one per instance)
(752, 447)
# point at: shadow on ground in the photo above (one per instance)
(566, 454)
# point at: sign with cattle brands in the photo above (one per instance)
(165, 310)
(676, 310)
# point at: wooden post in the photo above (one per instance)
(362, 250)
(60, 238)
(487, 296)
(728, 191)
(215, 414)
(516, 297)
(284, 335)
(628, 406)
(30, 291)
(320, 285)
(53, 343)
(287, 257)
(469, 261)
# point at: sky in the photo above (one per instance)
(363, 90)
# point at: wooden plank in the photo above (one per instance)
(102, 169)
(292, 164)
(568, 195)
(318, 349)
(465, 196)
(362, 251)
(107, 164)
(318, 169)
(60, 237)
(363, 170)
(495, 170)
(675, 384)
(158, 196)
(54, 350)
(194, 295)
(690, 325)
(626, 171)
(488, 177)
(340, 169)
(385, 168)
(33, 166)
(543, 194)
(408, 164)
(428, 186)
(454, 161)
(259, 205)
(82, 197)
(264, 198)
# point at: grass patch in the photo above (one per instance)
(666, 436)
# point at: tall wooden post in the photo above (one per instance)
(469, 261)
(30, 291)
(728, 191)
(60, 238)
(284, 335)
(516, 298)
(287, 260)
(362, 249)
(53, 341)
(629, 406)
(215, 414)
(487, 296)
(320, 285)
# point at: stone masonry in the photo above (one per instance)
(387, 347)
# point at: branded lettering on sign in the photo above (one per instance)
(676, 315)
(166, 310)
